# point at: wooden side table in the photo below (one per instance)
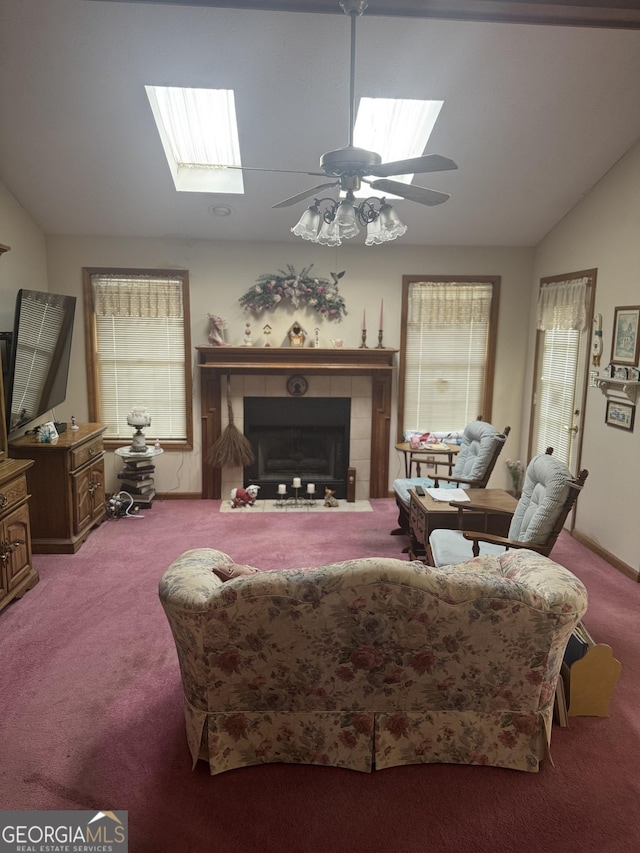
(427, 514)
(419, 457)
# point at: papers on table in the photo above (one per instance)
(448, 494)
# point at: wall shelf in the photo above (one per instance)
(619, 388)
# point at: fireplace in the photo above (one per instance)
(294, 437)
(270, 366)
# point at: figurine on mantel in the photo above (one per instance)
(248, 337)
(297, 335)
(217, 325)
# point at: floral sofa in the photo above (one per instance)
(370, 663)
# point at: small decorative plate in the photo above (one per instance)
(297, 386)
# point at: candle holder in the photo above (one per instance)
(283, 500)
(379, 339)
(363, 345)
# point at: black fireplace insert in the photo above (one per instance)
(298, 437)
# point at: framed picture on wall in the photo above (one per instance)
(620, 415)
(625, 345)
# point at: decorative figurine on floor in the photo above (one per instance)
(329, 499)
(216, 331)
(244, 497)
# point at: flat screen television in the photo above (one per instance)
(39, 357)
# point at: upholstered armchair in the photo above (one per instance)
(549, 494)
(481, 445)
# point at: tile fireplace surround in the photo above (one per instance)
(365, 375)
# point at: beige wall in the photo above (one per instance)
(221, 272)
(25, 265)
(603, 231)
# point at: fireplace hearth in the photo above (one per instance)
(293, 437)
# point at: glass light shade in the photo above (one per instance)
(309, 224)
(375, 234)
(391, 223)
(329, 234)
(345, 220)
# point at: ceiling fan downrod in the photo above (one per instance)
(353, 8)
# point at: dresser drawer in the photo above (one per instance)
(86, 453)
(13, 492)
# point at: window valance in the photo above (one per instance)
(563, 305)
(449, 303)
(140, 297)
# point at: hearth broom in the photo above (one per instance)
(232, 449)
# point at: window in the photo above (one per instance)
(447, 352)
(199, 134)
(556, 392)
(565, 305)
(138, 347)
(397, 129)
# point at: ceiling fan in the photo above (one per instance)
(351, 166)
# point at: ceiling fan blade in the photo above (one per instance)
(260, 169)
(306, 194)
(411, 192)
(414, 166)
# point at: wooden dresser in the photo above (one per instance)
(67, 487)
(17, 575)
(16, 572)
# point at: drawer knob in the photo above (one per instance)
(4, 500)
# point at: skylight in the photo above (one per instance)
(199, 135)
(396, 129)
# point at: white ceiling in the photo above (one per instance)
(534, 115)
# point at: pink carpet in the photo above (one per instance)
(91, 713)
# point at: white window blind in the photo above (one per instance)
(556, 391)
(40, 324)
(445, 356)
(140, 352)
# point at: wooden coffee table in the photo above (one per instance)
(493, 515)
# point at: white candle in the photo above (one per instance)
(282, 489)
(311, 487)
(296, 482)
(380, 327)
(364, 321)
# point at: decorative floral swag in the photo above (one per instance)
(300, 289)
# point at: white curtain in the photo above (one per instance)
(563, 305)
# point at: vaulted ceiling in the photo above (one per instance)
(534, 114)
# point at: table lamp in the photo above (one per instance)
(139, 418)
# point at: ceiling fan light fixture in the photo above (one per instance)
(308, 224)
(329, 234)
(390, 222)
(345, 220)
(374, 233)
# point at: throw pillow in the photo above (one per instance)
(233, 570)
